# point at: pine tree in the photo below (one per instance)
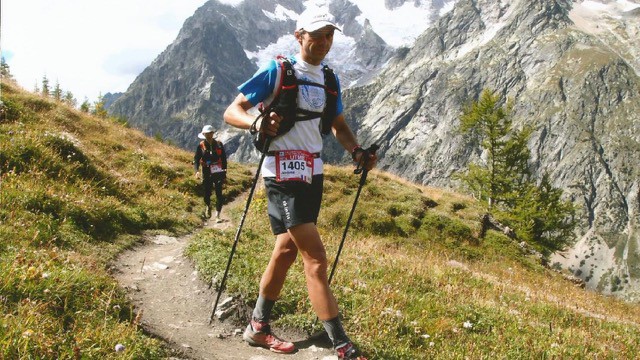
(4, 69)
(506, 168)
(69, 99)
(57, 92)
(85, 107)
(45, 86)
(536, 212)
(98, 107)
(541, 217)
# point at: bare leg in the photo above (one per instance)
(283, 255)
(307, 239)
(258, 332)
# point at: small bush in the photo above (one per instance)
(448, 227)
(39, 104)
(12, 111)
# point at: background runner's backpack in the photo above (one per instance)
(285, 102)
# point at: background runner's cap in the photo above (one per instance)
(310, 21)
(205, 129)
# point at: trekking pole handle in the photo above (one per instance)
(362, 163)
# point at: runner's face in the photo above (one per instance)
(314, 46)
(208, 136)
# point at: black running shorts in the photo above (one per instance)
(293, 203)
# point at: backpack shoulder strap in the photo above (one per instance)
(331, 105)
(286, 99)
(282, 65)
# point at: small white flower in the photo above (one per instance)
(45, 275)
(467, 325)
(387, 311)
(432, 343)
(425, 336)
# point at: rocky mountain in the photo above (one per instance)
(220, 46)
(572, 71)
(571, 68)
(109, 98)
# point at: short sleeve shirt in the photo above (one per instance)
(305, 135)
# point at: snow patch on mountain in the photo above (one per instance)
(492, 28)
(231, 2)
(400, 26)
(614, 22)
(397, 27)
(448, 6)
(287, 46)
(611, 7)
(281, 13)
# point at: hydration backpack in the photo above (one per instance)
(285, 102)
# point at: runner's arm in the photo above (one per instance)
(196, 161)
(345, 137)
(237, 115)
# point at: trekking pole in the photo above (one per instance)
(244, 215)
(360, 169)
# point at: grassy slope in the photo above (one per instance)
(414, 282)
(75, 190)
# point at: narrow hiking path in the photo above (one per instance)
(174, 304)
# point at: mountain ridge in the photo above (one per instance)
(569, 65)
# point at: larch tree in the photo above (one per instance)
(503, 178)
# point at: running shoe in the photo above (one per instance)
(348, 351)
(259, 334)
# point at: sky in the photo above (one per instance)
(89, 47)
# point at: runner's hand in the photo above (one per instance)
(370, 162)
(269, 126)
(197, 174)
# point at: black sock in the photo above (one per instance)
(262, 311)
(335, 331)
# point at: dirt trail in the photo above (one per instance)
(175, 304)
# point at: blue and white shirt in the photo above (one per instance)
(305, 135)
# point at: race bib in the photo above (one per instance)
(294, 165)
(215, 168)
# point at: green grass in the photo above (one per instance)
(74, 192)
(415, 282)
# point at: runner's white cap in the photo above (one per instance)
(310, 21)
(205, 129)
